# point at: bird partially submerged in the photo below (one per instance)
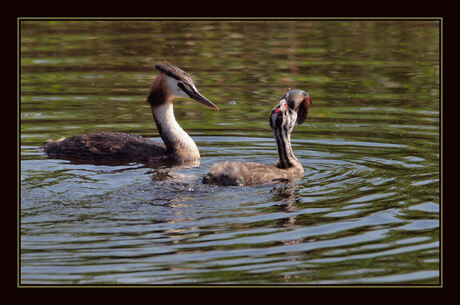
(292, 108)
(109, 147)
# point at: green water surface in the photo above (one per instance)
(366, 211)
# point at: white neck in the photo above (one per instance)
(178, 143)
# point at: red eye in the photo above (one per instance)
(276, 110)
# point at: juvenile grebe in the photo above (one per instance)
(116, 146)
(292, 108)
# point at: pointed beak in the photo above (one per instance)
(197, 96)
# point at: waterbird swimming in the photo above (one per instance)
(292, 108)
(116, 146)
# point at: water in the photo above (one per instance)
(366, 211)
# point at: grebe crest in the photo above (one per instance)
(106, 147)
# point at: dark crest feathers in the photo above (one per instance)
(172, 71)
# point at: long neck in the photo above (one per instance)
(286, 158)
(179, 144)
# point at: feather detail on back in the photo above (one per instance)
(108, 146)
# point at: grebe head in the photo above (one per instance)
(180, 84)
(292, 108)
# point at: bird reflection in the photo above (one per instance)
(148, 164)
(286, 197)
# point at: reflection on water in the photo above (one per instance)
(366, 210)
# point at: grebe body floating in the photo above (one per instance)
(109, 147)
(291, 109)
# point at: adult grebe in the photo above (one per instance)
(292, 108)
(116, 146)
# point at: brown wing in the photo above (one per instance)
(105, 146)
